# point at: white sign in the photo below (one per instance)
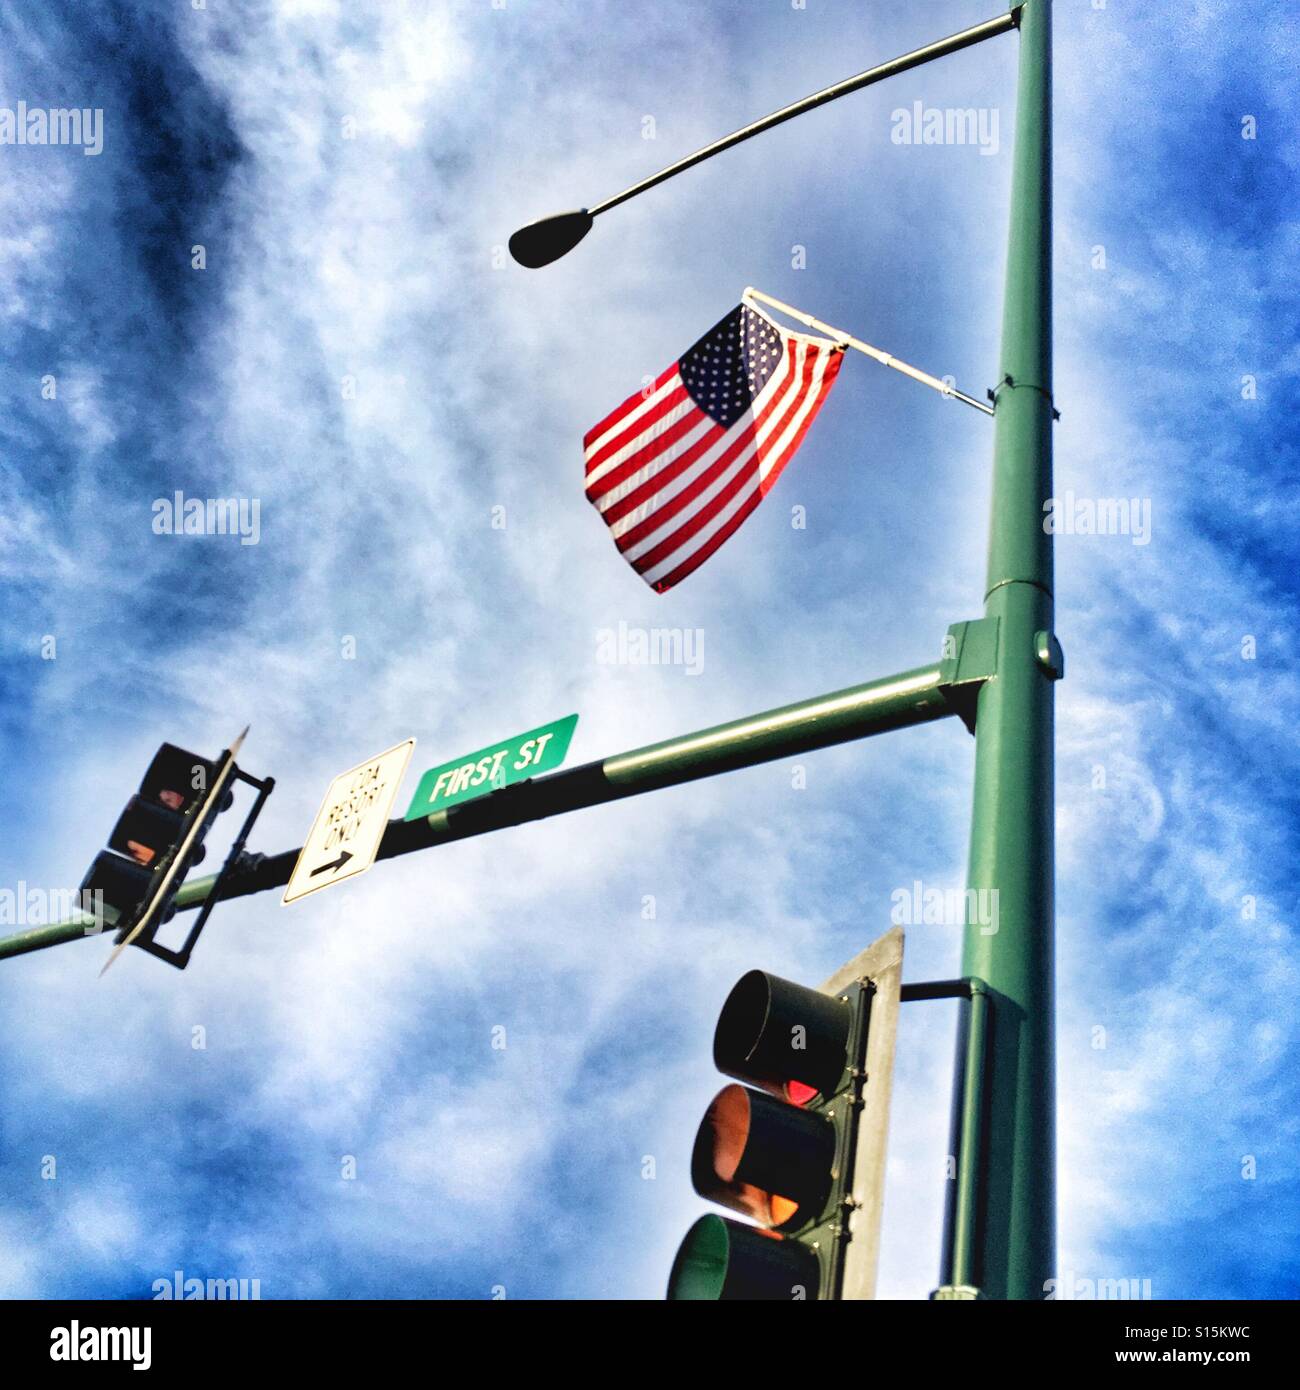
(350, 824)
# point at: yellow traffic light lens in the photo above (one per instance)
(123, 883)
(145, 831)
(763, 1157)
(728, 1125)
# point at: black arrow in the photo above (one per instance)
(344, 856)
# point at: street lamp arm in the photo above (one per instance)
(954, 43)
(548, 239)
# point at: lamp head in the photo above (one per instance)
(544, 241)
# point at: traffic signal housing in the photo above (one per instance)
(159, 837)
(797, 1148)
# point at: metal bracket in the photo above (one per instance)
(1048, 653)
(1009, 380)
(964, 1291)
(970, 657)
(180, 959)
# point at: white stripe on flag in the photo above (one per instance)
(657, 464)
(627, 418)
(642, 441)
(769, 460)
(689, 476)
(793, 375)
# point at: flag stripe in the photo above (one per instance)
(649, 480)
(702, 490)
(678, 426)
(665, 491)
(747, 471)
(632, 402)
(615, 445)
(675, 470)
(755, 485)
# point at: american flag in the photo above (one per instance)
(677, 468)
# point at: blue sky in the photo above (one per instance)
(360, 1022)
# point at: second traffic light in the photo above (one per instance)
(784, 1149)
(159, 837)
(150, 831)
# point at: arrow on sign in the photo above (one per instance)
(344, 856)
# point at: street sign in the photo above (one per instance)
(349, 826)
(498, 765)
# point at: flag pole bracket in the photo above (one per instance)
(1008, 380)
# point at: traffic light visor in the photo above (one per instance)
(177, 778)
(772, 1032)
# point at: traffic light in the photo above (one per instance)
(799, 1149)
(158, 838)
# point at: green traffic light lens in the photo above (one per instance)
(123, 883)
(721, 1259)
(699, 1272)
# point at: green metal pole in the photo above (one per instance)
(1012, 827)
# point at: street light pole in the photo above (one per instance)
(1011, 1251)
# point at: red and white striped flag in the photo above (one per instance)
(677, 468)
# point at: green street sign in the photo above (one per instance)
(498, 765)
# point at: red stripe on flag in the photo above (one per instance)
(791, 399)
(660, 444)
(724, 533)
(630, 404)
(638, 427)
(665, 476)
(732, 525)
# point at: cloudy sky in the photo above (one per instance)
(360, 358)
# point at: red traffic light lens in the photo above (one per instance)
(772, 1033)
(177, 778)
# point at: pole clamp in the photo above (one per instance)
(1009, 380)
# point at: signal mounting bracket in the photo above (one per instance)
(180, 959)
